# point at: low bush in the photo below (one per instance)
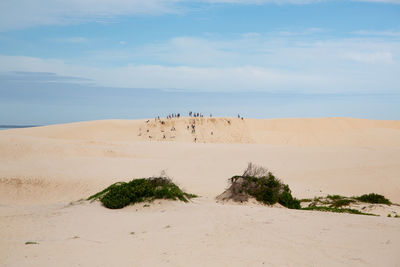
(122, 194)
(374, 198)
(261, 184)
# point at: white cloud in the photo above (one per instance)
(252, 61)
(381, 1)
(377, 33)
(272, 51)
(154, 76)
(328, 77)
(378, 57)
(17, 14)
(72, 40)
(259, 2)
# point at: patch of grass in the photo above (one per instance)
(261, 184)
(121, 194)
(103, 192)
(335, 197)
(31, 243)
(338, 210)
(337, 203)
(306, 200)
(188, 195)
(373, 198)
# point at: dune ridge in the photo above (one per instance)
(297, 132)
(69, 161)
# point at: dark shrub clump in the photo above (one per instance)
(122, 194)
(261, 184)
(374, 198)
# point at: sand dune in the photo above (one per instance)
(299, 132)
(43, 169)
(314, 154)
(333, 155)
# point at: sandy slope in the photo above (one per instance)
(196, 234)
(43, 169)
(298, 132)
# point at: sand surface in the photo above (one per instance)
(44, 169)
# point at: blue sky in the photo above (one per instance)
(63, 61)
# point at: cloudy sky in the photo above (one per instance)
(63, 61)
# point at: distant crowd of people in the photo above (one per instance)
(191, 114)
(173, 115)
(190, 127)
(197, 114)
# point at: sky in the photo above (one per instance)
(65, 61)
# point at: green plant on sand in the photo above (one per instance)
(337, 210)
(31, 243)
(121, 194)
(341, 204)
(261, 184)
(374, 198)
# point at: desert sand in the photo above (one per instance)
(45, 171)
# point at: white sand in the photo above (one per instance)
(43, 169)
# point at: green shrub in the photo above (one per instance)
(374, 198)
(122, 194)
(261, 184)
(117, 197)
(286, 199)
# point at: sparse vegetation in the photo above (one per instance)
(335, 197)
(338, 210)
(122, 194)
(254, 170)
(31, 243)
(261, 184)
(336, 203)
(306, 200)
(374, 198)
